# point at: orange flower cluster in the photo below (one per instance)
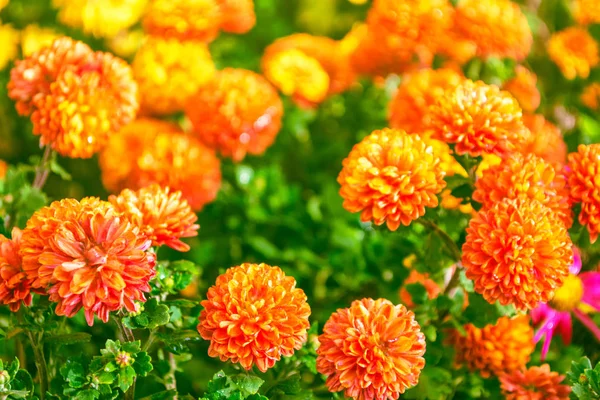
(534, 383)
(409, 108)
(238, 112)
(87, 255)
(253, 315)
(15, 286)
(546, 140)
(77, 98)
(169, 72)
(584, 167)
(479, 119)
(307, 67)
(591, 96)
(162, 215)
(431, 287)
(528, 177)
(391, 176)
(151, 151)
(496, 349)
(575, 52)
(372, 350)
(586, 11)
(198, 19)
(523, 88)
(517, 252)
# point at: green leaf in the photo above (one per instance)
(248, 384)
(126, 378)
(153, 316)
(464, 191)
(69, 338)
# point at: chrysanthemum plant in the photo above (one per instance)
(203, 204)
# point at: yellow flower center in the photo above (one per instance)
(569, 295)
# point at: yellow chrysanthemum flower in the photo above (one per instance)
(126, 43)
(3, 3)
(33, 38)
(9, 37)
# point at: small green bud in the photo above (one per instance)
(4, 378)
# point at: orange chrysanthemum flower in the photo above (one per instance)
(238, 15)
(584, 168)
(586, 11)
(409, 108)
(546, 139)
(495, 349)
(161, 214)
(87, 255)
(3, 169)
(523, 88)
(77, 98)
(528, 177)
(15, 286)
(169, 72)
(591, 96)
(479, 119)
(150, 151)
(372, 350)
(498, 28)
(432, 288)
(535, 383)
(253, 315)
(238, 112)
(391, 176)
(575, 52)
(517, 252)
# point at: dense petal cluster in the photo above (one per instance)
(523, 88)
(479, 119)
(409, 108)
(237, 113)
(162, 215)
(77, 98)
(517, 252)
(391, 176)
(497, 27)
(591, 96)
(534, 383)
(169, 72)
(254, 315)
(584, 168)
(528, 177)
(372, 350)
(546, 139)
(431, 287)
(15, 286)
(586, 11)
(150, 151)
(495, 349)
(575, 52)
(103, 19)
(87, 255)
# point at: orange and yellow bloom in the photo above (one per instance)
(575, 52)
(254, 315)
(584, 168)
(15, 286)
(431, 287)
(391, 177)
(534, 383)
(546, 140)
(523, 86)
(517, 252)
(372, 350)
(591, 96)
(586, 11)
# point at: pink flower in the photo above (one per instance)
(579, 294)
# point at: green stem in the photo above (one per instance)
(448, 242)
(42, 171)
(150, 340)
(129, 337)
(170, 381)
(40, 361)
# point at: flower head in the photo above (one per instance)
(15, 286)
(579, 294)
(546, 140)
(528, 177)
(585, 188)
(409, 108)
(169, 72)
(151, 151)
(591, 96)
(9, 37)
(479, 119)
(575, 52)
(372, 350)
(162, 215)
(534, 383)
(391, 176)
(498, 28)
(517, 252)
(87, 255)
(431, 287)
(35, 38)
(238, 112)
(3, 169)
(586, 11)
(253, 315)
(523, 88)
(102, 19)
(77, 98)
(238, 15)
(503, 347)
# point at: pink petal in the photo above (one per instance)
(587, 321)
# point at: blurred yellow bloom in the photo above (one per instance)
(100, 18)
(3, 3)
(358, 1)
(591, 96)
(33, 38)
(575, 52)
(585, 11)
(487, 161)
(169, 72)
(9, 37)
(126, 43)
(3, 169)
